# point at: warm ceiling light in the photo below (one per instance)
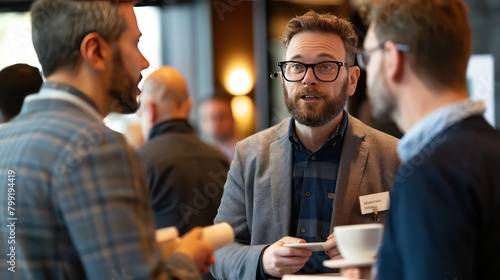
(242, 107)
(244, 115)
(239, 82)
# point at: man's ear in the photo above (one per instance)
(394, 62)
(95, 51)
(151, 112)
(188, 105)
(353, 73)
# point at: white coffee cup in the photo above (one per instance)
(166, 233)
(359, 242)
(219, 234)
(169, 238)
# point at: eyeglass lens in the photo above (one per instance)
(324, 71)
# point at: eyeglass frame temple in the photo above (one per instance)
(361, 54)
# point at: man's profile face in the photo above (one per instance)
(381, 101)
(312, 102)
(128, 62)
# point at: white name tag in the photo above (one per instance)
(368, 202)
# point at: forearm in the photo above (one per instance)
(237, 261)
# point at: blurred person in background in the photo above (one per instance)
(16, 82)
(216, 123)
(185, 175)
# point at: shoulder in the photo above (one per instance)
(73, 129)
(474, 128)
(371, 134)
(178, 146)
(266, 136)
(97, 135)
(455, 152)
(379, 142)
(454, 145)
(96, 140)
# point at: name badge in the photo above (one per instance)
(369, 202)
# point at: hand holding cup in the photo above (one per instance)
(198, 244)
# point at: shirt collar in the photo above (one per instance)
(58, 94)
(436, 122)
(337, 134)
(71, 90)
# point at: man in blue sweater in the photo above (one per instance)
(443, 222)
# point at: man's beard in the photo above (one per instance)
(382, 104)
(123, 88)
(310, 115)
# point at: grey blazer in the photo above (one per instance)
(257, 195)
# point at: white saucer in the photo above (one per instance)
(341, 263)
(323, 276)
(313, 246)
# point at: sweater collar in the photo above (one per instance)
(429, 127)
(170, 126)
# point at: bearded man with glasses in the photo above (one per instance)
(294, 182)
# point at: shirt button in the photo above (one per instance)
(308, 193)
(331, 195)
(313, 158)
(303, 230)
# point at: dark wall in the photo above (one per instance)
(232, 25)
(15, 5)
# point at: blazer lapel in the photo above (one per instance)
(352, 166)
(280, 167)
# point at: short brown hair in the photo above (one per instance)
(327, 23)
(437, 33)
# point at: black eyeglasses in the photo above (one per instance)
(363, 55)
(294, 71)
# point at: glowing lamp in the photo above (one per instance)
(239, 82)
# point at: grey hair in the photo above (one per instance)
(59, 26)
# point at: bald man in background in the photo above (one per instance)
(185, 175)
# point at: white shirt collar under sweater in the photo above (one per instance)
(424, 131)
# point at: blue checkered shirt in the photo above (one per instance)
(313, 181)
(81, 204)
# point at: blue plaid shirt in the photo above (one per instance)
(81, 204)
(313, 181)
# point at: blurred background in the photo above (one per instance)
(234, 45)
